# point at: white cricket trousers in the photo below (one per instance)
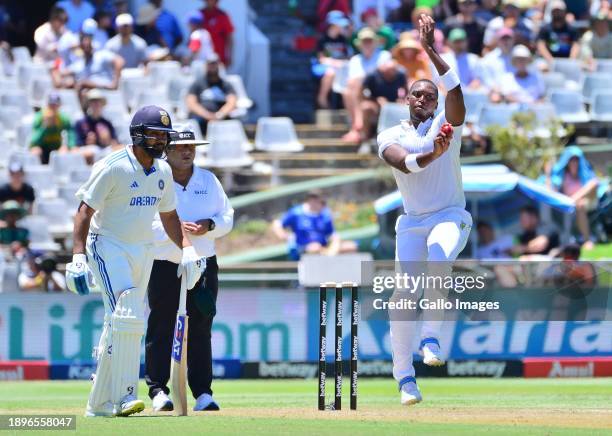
(425, 244)
(122, 272)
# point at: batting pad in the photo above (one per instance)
(128, 329)
(100, 392)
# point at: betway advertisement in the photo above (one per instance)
(269, 325)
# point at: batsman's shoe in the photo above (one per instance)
(130, 405)
(409, 392)
(205, 402)
(430, 347)
(161, 402)
(105, 409)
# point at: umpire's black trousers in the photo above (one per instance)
(163, 291)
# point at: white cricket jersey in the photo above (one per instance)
(440, 184)
(125, 197)
(202, 198)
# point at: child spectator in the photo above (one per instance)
(200, 42)
(333, 51)
(51, 130)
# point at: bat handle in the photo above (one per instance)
(182, 308)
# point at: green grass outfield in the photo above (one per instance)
(466, 406)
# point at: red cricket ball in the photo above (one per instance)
(447, 129)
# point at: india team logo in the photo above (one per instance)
(161, 184)
(164, 118)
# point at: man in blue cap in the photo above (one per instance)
(113, 243)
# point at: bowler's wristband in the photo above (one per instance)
(411, 163)
(450, 79)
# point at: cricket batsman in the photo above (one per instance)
(113, 242)
(423, 152)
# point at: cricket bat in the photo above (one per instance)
(178, 363)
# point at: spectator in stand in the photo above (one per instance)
(313, 229)
(78, 11)
(17, 189)
(48, 35)
(12, 236)
(487, 11)
(333, 52)
(326, 6)
(132, 48)
(573, 176)
(498, 62)
(535, 239)
(92, 69)
(473, 26)
(51, 130)
(210, 98)
(360, 65)
(221, 29)
(168, 26)
(438, 34)
(105, 27)
(490, 247)
(200, 43)
(121, 7)
(94, 132)
(385, 85)
(596, 43)
(403, 13)
(467, 65)
(146, 25)
(511, 17)
(38, 272)
(524, 85)
(385, 34)
(557, 39)
(387, 6)
(409, 55)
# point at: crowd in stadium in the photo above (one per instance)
(68, 104)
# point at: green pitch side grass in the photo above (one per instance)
(451, 406)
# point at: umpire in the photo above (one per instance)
(205, 214)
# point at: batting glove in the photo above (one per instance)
(79, 278)
(192, 267)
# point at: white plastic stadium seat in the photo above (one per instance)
(243, 103)
(391, 114)
(57, 212)
(601, 110)
(38, 88)
(496, 114)
(18, 99)
(553, 80)
(114, 98)
(80, 175)
(132, 87)
(177, 89)
(63, 163)
(277, 134)
(24, 133)
(26, 72)
(227, 153)
(153, 97)
(569, 106)
(40, 236)
(67, 192)
(162, 71)
(571, 69)
(8, 117)
(228, 130)
(604, 65)
(474, 101)
(71, 104)
(26, 159)
(42, 180)
(544, 115)
(595, 82)
(22, 55)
